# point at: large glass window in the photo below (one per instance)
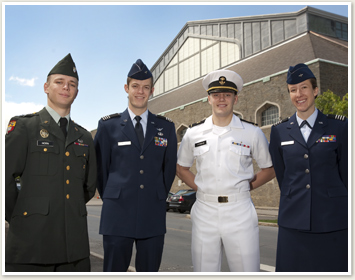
(195, 58)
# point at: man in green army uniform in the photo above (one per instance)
(56, 162)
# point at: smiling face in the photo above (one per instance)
(222, 104)
(61, 91)
(303, 98)
(138, 94)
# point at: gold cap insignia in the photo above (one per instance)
(222, 80)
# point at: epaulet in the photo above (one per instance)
(337, 117)
(197, 123)
(248, 122)
(164, 118)
(281, 121)
(105, 118)
(27, 115)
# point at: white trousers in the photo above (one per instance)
(232, 226)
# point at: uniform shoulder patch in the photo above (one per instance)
(197, 123)
(13, 121)
(337, 117)
(248, 122)
(164, 118)
(105, 118)
(281, 121)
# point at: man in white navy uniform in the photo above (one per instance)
(223, 146)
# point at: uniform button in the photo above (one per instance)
(45, 149)
(307, 171)
(84, 166)
(141, 186)
(68, 167)
(67, 154)
(84, 155)
(141, 172)
(67, 196)
(25, 213)
(67, 182)
(141, 157)
(308, 186)
(305, 156)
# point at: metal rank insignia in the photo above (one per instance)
(44, 133)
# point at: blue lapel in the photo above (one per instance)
(151, 130)
(318, 129)
(294, 130)
(128, 129)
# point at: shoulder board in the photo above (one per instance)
(28, 115)
(282, 121)
(164, 118)
(105, 118)
(248, 122)
(197, 123)
(336, 117)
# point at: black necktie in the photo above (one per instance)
(305, 123)
(139, 130)
(63, 126)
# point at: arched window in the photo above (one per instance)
(270, 116)
(181, 132)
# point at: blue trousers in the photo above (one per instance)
(118, 253)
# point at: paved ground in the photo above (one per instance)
(97, 262)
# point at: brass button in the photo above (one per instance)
(67, 154)
(305, 156)
(141, 186)
(67, 182)
(67, 196)
(307, 171)
(25, 213)
(141, 157)
(45, 149)
(84, 155)
(84, 166)
(141, 171)
(308, 186)
(68, 167)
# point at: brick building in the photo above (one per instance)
(260, 49)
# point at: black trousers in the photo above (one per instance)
(118, 253)
(77, 266)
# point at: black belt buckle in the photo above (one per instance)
(223, 199)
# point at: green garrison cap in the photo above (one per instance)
(65, 67)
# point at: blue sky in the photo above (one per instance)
(104, 41)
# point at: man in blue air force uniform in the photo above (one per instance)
(136, 153)
(310, 155)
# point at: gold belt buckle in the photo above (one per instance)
(223, 199)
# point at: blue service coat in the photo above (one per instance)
(312, 176)
(134, 182)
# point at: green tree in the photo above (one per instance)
(330, 103)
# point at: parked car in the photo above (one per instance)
(168, 200)
(183, 200)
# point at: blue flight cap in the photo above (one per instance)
(139, 71)
(299, 73)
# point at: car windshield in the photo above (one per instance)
(181, 192)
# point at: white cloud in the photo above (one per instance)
(10, 109)
(24, 82)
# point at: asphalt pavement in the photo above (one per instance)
(264, 213)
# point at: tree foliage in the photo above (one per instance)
(330, 103)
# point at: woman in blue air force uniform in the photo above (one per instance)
(310, 155)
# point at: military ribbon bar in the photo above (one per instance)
(162, 142)
(327, 139)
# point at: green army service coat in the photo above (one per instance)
(47, 216)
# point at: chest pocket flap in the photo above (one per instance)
(198, 151)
